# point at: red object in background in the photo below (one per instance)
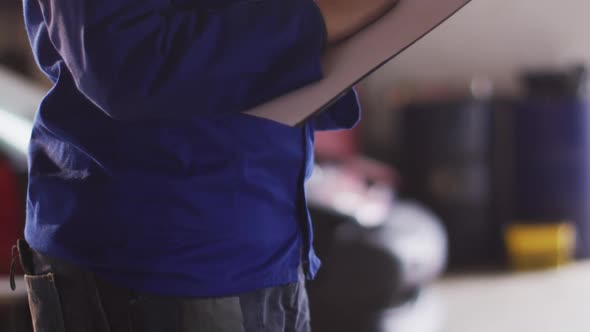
(10, 222)
(339, 144)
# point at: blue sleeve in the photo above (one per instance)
(343, 114)
(138, 59)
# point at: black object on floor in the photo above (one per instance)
(372, 268)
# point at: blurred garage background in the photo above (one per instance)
(459, 204)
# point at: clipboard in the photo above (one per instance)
(350, 61)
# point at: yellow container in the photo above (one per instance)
(536, 246)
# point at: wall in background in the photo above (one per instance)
(497, 38)
(494, 39)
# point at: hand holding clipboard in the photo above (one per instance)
(344, 18)
(352, 59)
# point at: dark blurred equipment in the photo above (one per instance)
(552, 151)
(377, 253)
(546, 84)
(446, 162)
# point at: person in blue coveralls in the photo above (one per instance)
(154, 202)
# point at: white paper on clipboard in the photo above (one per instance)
(349, 62)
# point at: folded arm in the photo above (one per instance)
(139, 59)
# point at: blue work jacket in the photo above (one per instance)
(143, 168)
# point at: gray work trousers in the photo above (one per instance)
(66, 298)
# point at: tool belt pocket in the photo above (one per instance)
(44, 303)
